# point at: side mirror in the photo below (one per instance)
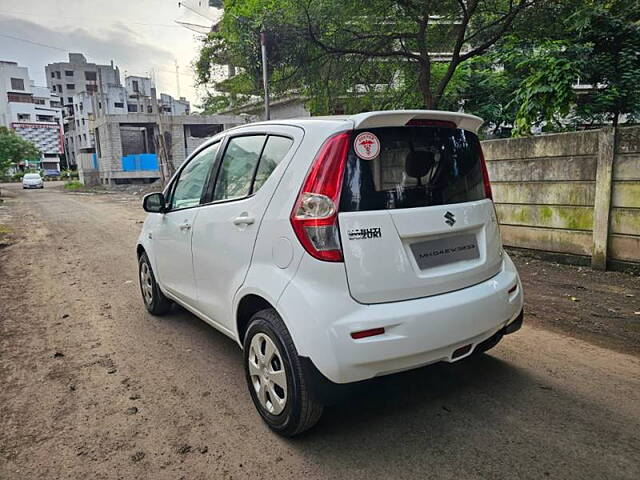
(154, 203)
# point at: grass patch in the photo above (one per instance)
(4, 234)
(74, 185)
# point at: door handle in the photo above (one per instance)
(185, 226)
(244, 219)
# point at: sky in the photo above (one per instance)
(140, 36)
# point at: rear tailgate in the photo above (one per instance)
(412, 253)
(415, 218)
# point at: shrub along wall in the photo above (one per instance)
(572, 193)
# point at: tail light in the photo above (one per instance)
(485, 174)
(315, 214)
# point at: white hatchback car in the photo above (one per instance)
(32, 180)
(334, 250)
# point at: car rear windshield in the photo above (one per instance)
(417, 166)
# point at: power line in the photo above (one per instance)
(113, 22)
(32, 42)
(191, 9)
(67, 51)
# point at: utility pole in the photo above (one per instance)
(265, 74)
(178, 78)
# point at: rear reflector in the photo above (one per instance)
(367, 333)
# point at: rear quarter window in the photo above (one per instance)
(417, 166)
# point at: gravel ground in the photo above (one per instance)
(95, 387)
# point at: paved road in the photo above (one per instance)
(94, 387)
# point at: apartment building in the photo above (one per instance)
(77, 75)
(34, 113)
(171, 106)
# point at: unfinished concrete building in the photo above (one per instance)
(128, 146)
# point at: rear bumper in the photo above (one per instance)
(328, 392)
(417, 332)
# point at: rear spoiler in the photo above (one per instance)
(399, 118)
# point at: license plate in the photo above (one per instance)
(433, 253)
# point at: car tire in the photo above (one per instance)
(152, 296)
(290, 408)
(489, 343)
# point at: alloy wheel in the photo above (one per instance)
(267, 373)
(146, 282)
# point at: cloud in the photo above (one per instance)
(120, 43)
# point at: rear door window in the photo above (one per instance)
(274, 151)
(238, 167)
(417, 166)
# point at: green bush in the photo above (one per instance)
(73, 185)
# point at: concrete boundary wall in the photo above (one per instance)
(571, 193)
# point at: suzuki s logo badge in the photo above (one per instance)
(450, 219)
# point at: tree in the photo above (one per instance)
(600, 47)
(14, 149)
(380, 51)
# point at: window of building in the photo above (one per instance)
(92, 88)
(71, 86)
(68, 73)
(59, 88)
(58, 75)
(24, 117)
(17, 84)
(135, 86)
(132, 108)
(38, 101)
(149, 109)
(53, 74)
(44, 118)
(118, 105)
(90, 76)
(19, 97)
(69, 100)
(83, 121)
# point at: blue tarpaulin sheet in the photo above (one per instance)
(143, 161)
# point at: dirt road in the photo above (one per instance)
(94, 387)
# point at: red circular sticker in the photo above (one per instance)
(367, 146)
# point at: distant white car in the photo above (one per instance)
(32, 180)
(334, 250)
